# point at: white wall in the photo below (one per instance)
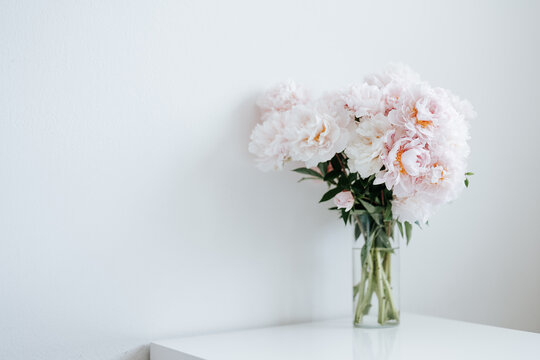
(130, 209)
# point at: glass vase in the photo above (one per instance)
(376, 282)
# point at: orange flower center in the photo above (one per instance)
(422, 123)
(442, 178)
(398, 159)
(316, 138)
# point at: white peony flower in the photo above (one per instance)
(394, 73)
(413, 208)
(393, 82)
(316, 133)
(268, 143)
(363, 99)
(295, 129)
(367, 145)
(335, 102)
(283, 97)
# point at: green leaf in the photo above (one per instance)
(336, 163)
(469, 173)
(356, 288)
(333, 208)
(332, 175)
(364, 222)
(388, 214)
(366, 250)
(377, 218)
(345, 215)
(370, 208)
(374, 211)
(307, 171)
(342, 180)
(466, 182)
(383, 241)
(400, 227)
(323, 167)
(307, 178)
(330, 194)
(408, 231)
(373, 236)
(357, 231)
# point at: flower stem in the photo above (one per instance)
(380, 290)
(363, 303)
(393, 311)
(376, 278)
(360, 296)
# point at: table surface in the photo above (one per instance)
(417, 337)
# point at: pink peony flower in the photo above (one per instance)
(344, 200)
(421, 110)
(405, 162)
(425, 152)
(411, 136)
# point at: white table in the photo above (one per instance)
(417, 337)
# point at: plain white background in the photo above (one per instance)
(130, 209)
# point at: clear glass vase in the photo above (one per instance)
(376, 282)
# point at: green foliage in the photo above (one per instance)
(467, 174)
(400, 227)
(357, 231)
(307, 171)
(331, 193)
(370, 208)
(331, 176)
(307, 178)
(382, 240)
(356, 289)
(371, 215)
(323, 167)
(345, 215)
(408, 231)
(366, 249)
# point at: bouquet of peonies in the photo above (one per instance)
(392, 150)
